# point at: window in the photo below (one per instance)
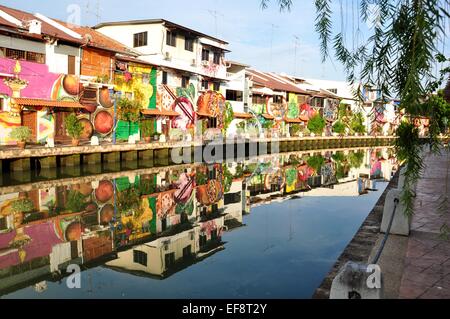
(164, 78)
(171, 39)
(233, 95)
(71, 69)
(202, 240)
(212, 122)
(184, 81)
(205, 55)
(333, 91)
(258, 99)
(214, 235)
(277, 99)
(187, 251)
(216, 58)
(216, 86)
(3, 224)
(23, 55)
(140, 39)
(205, 85)
(170, 259)
(189, 44)
(139, 257)
(232, 198)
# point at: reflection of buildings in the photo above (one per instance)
(156, 224)
(166, 255)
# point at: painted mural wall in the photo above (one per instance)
(38, 83)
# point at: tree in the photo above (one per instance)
(398, 57)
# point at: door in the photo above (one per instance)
(29, 118)
(71, 65)
(60, 130)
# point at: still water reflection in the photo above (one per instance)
(265, 228)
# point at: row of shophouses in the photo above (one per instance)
(178, 78)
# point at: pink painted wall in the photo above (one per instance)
(40, 80)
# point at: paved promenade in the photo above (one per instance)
(426, 263)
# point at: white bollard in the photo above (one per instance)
(95, 141)
(401, 224)
(358, 281)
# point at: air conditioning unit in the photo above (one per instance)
(194, 62)
(205, 63)
(167, 56)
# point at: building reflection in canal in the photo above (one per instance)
(159, 223)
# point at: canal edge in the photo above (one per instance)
(362, 244)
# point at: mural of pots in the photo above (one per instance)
(105, 98)
(88, 129)
(104, 192)
(103, 122)
(106, 214)
(71, 84)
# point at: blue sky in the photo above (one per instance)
(264, 39)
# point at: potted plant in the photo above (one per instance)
(316, 124)
(74, 128)
(146, 127)
(21, 134)
(339, 128)
(156, 136)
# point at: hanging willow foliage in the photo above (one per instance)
(398, 58)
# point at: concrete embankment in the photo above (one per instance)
(362, 245)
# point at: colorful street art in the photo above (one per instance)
(278, 110)
(212, 104)
(139, 80)
(307, 112)
(39, 83)
(330, 110)
(293, 111)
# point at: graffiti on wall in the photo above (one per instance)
(293, 111)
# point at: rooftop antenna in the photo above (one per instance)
(97, 10)
(215, 15)
(273, 27)
(296, 46)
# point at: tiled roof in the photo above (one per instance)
(47, 29)
(157, 112)
(47, 103)
(98, 39)
(242, 115)
(274, 82)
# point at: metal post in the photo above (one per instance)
(117, 97)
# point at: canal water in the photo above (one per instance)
(267, 227)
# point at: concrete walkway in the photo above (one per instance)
(426, 263)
